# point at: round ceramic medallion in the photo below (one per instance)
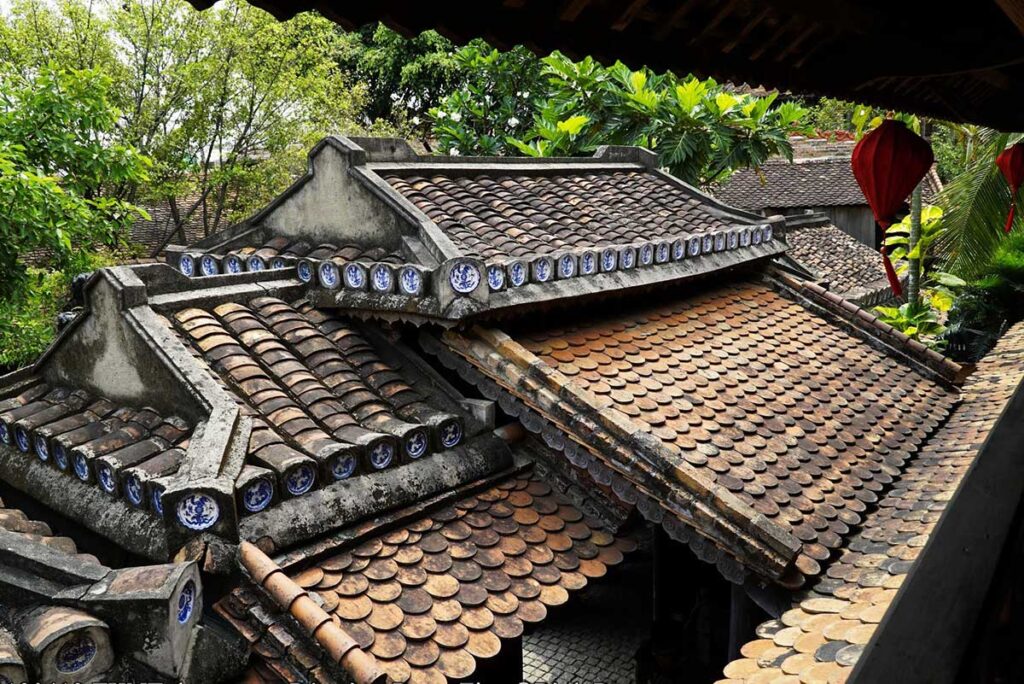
(328, 272)
(232, 264)
(197, 511)
(187, 265)
(42, 450)
(256, 263)
(495, 277)
(647, 255)
(21, 437)
(208, 265)
(81, 467)
(464, 277)
(608, 260)
(105, 476)
(60, 457)
(542, 269)
(410, 281)
(588, 263)
(416, 444)
(566, 266)
(258, 495)
(277, 263)
(300, 480)
(344, 467)
(355, 276)
(381, 278)
(517, 274)
(305, 271)
(382, 454)
(662, 254)
(627, 258)
(133, 490)
(451, 434)
(693, 247)
(186, 602)
(75, 653)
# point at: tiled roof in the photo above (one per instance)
(96, 440)
(821, 638)
(781, 184)
(494, 215)
(325, 407)
(749, 397)
(851, 268)
(432, 598)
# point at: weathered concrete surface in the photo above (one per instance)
(359, 498)
(330, 206)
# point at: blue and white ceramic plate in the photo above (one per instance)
(258, 495)
(197, 511)
(464, 277)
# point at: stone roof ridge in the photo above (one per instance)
(873, 328)
(317, 623)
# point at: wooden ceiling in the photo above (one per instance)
(956, 61)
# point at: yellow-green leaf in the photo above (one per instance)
(574, 124)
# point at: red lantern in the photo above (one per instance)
(1011, 162)
(888, 163)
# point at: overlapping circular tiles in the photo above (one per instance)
(432, 599)
(801, 420)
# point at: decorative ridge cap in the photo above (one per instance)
(869, 324)
(335, 641)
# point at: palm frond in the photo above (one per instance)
(975, 204)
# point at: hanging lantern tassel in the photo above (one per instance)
(1011, 163)
(890, 274)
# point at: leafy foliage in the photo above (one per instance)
(701, 131)
(57, 161)
(918, 321)
(405, 77)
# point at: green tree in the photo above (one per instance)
(701, 131)
(57, 160)
(405, 77)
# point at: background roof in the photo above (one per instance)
(962, 64)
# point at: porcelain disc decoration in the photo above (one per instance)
(768, 233)
(21, 437)
(627, 258)
(719, 242)
(42, 451)
(305, 271)
(187, 265)
(679, 249)
(465, 277)
(75, 654)
(60, 457)
(416, 444)
(588, 263)
(542, 270)
(106, 478)
(232, 264)
(608, 259)
(258, 495)
(81, 467)
(5, 434)
(344, 467)
(355, 276)
(133, 490)
(663, 253)
(734, 240)
(693, 247)
(256, 263)
(329, 275)
(755, 236)
(451, 434)
(495, 277)
(646, 255)
(278, 263)
(566, 266)
(517, 274)
(380, 277)
(208, 265)
(745, 238)
(707, 244)
(186, 602)
(157, 499)
(197, 511)
(381, 455)
(410, 280)
(300, 480)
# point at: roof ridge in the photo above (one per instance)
(870, 326)
(335, 641)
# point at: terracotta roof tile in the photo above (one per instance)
(748, 397)
(324, 405)
(821, 638)
(851, 267)
(494, 216)
(90, 438)
(433, 597)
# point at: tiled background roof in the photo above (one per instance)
(826, 182)
(803, 421)
(845, 262)
(501, 216)
(823, 635)
(434, 597)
